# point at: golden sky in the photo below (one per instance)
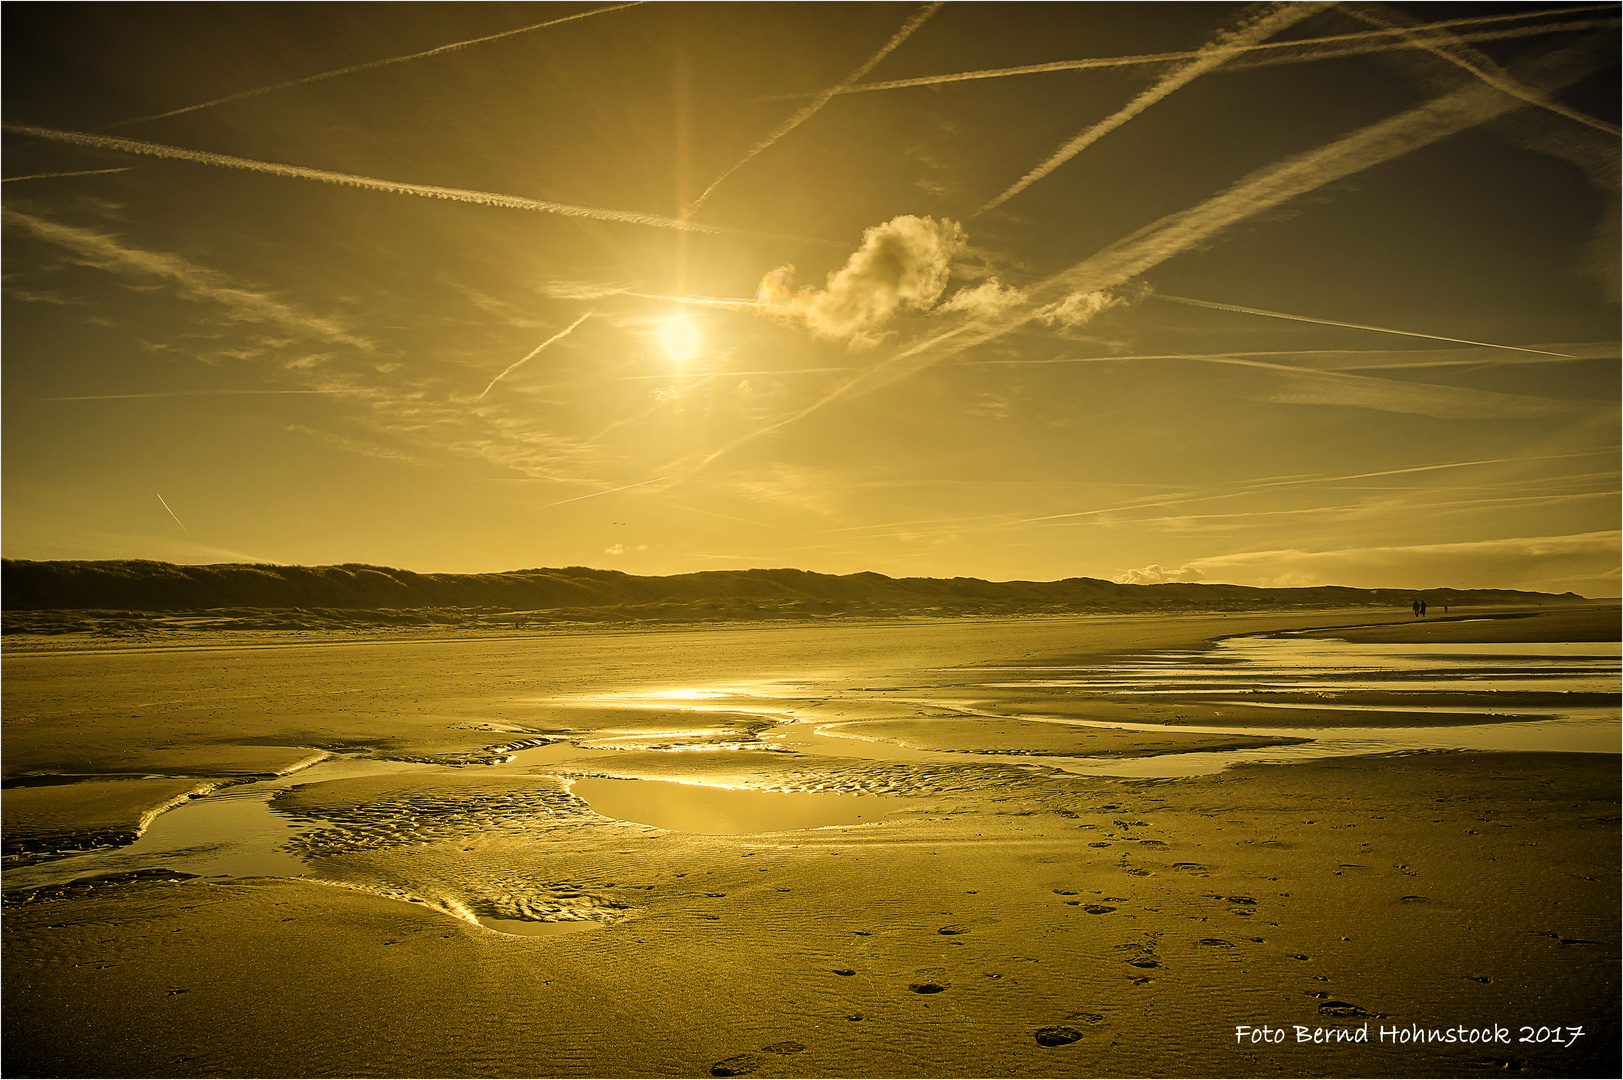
(1273, 294)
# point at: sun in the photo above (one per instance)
(680, 337)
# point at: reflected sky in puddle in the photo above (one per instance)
(698, 808)
(1242, 664)
(533, 928)
(233, 833)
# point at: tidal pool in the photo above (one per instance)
(698, 808)
(533, 928)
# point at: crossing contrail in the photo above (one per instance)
(1459, 110)
(610, 491)
(823, 98)
(1357, 43)
(1221, 49)
(426, 191)
(1452, 49)
(256, 91)
(1350, 326)
(172, 514)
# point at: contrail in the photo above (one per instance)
(1351, 326)
(1480, 66)
(1364, 41)
(559, 336)
(368, 66)
(610, 491)
(427, 191)
(1220, 50)
(822, 98)
(178, 393)
(714, 374)
(172, 514)
(699, 301)
(1268, 187)
(50, 175)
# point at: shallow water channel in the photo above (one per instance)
(236, 833)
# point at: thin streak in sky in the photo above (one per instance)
(1451, 49)
(533, 353)
(610, 491)
(172, 514)
(1351, 326)
(1221, 49)
(699, 301)
(51, 175)
(714, 374)
(427, 191)
(822, 98)
(177, 393)
(1268, 187)
(368, 66)
(1378, 41)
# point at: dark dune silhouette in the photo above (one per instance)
(142, 586)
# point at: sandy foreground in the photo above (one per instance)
(988, 915)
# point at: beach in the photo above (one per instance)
(1056, 846)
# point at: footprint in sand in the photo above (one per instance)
(1098, 909)
(844, 971)
(1216, 942)
(737, 1065)
(955, 928)
(1056, 1036)
(1342, 1008)
(928, 987)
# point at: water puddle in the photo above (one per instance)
(531, 928)
(698, 808)
(232, 833)
(1307, 666)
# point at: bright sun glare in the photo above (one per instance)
(680, 337)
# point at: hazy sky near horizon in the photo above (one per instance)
(673, 287)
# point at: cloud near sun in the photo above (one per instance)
(904, 265)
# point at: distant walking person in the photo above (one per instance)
(1416, 607)
(1422, 609)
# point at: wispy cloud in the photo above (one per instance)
(533, 353)
(1257, 26)
(306, 80)
(810, 109)
(1526, 562)
(193, 282)
(370, 183)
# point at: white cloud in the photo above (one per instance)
(1155, 575)
(902, 265)
(1078, 308)
(986, 300)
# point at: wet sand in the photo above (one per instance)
(996, 915)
